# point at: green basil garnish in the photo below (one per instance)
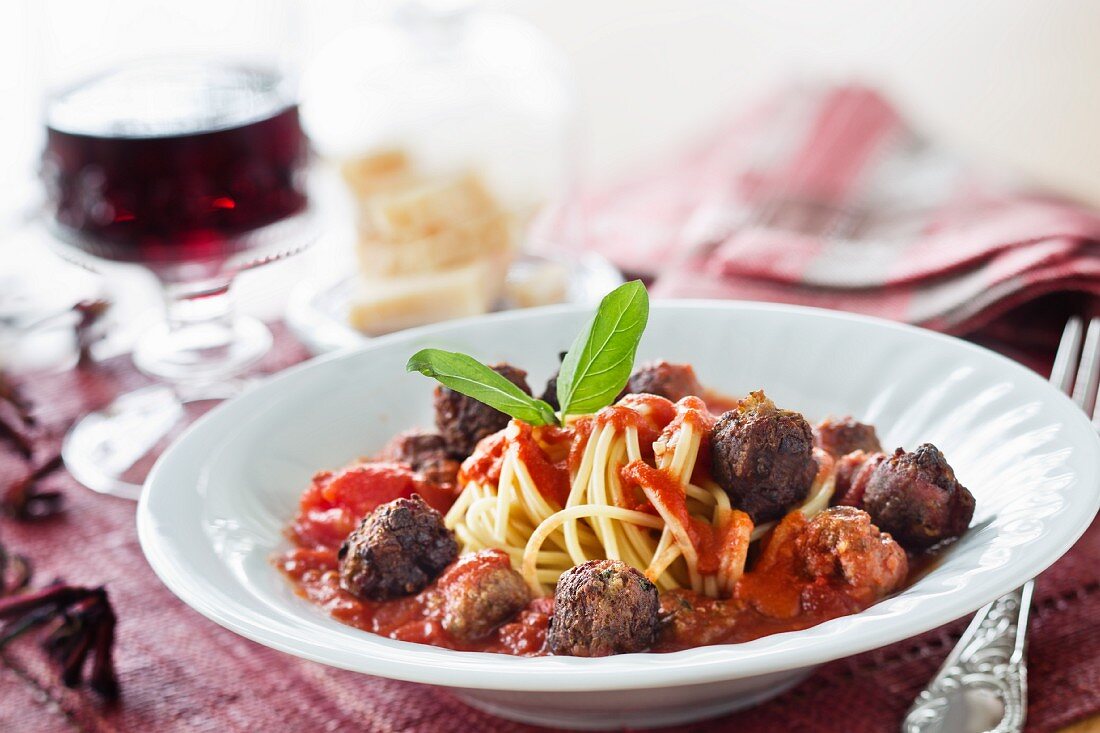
(598, 364)
(593, 372)
(469, 376)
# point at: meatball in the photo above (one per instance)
(426, 454)
(916, 498)
(550, 394)
(603, 607)
(841, 545)
(671, 381)
(763, 457)
(481, 592)
(846, 435)
(396, 550)
(463, 421)
(852, 474)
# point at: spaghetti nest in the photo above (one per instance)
(629, 483)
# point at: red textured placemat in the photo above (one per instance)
(181, 672)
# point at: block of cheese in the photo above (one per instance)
(537, 283)
(414, 212)
(389, 304)
(489, 236)
(379, 173)
(429, 248)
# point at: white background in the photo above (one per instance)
(1014, 81)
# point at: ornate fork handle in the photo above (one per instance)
(989, 660)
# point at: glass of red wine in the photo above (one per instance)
(172, 143)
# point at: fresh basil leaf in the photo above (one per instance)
(598, 364)
(469, 376)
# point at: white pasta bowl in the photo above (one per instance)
(215, 507)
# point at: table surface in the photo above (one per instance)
(181, 672)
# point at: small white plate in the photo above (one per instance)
(317, 311)
(217, 502)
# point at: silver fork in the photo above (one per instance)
(982, 685)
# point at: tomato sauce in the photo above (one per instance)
(543, 450)
(417, 618)
(668, 495)
(649, 414)
(692, 411)
(772, 597)
(335, 502)
(582, 431)
(549, 476)
(483, 465)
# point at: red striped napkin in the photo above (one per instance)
(826, 197)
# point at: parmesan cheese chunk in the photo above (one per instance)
(461, 244)
(376, 174)
(392, 303)
(412, 213)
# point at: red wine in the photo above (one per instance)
(171, 163)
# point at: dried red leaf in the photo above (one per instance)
(83, 623)
(24, 500)
(90, 313)
(15, 572)
(13, 395)
(16, 416)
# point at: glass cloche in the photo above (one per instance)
(451, 135)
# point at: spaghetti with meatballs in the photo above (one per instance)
(622, 511)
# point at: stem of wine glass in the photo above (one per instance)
(204, 343)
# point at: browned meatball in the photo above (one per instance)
(396, 550)
(463, 421)
(763, 457)
(603, 607)
(839, 437)
(852, 473)
(481, 592)
(671, 381)
(550, 394)
(425, 453)
(841, 545)
(916, 498)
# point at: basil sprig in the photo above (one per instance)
(598, 364)
(469, 376)
(593, 372)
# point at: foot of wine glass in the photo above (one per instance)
(199, 354)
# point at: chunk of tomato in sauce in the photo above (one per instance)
(336, 502)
